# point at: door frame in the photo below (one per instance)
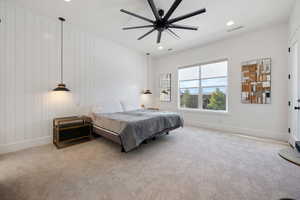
(296, 39)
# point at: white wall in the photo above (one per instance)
(95, 69)
(268, 121)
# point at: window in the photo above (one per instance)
(204, 86)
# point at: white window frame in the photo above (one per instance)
(200, 103)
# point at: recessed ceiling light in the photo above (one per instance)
(230, 23)
(67, 0)
(160, 47)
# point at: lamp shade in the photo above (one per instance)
(61, 87)
(147, 92)
(164, 92)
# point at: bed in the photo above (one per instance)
(131, 127)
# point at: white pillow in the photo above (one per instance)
(129, 106)
(111, 106)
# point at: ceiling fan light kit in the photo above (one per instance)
(162, 21)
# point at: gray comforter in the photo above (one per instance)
(136, 126)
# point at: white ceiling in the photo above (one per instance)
(104, 18)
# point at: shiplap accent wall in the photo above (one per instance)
(95, 69)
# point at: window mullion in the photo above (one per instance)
(200, 90)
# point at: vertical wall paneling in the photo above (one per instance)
(29, 70)
(44, 81)
(53, 75)
(19, 74)
(2, 71)
(27, 74)
(11, 85)
(81, 70)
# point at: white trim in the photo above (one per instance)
(279, 136)
(292, 140)
(222, 112)
(203, 63)
(200, 100)
(294, 34)
(7, 148)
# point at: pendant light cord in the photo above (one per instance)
(148, 54)
(61, 52)
(147, 71)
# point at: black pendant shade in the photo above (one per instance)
(164, 92)
(61, 86)
(147, 92)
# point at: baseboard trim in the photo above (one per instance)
(7, 148)
(264, 134)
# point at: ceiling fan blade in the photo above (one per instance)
(173, 34)
(172, 9)
(194, 28)
(154, 9)
(198, 12)
(137, 27)
(138, 16)
(146, 34)
(158, 37)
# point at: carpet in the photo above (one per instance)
(189, 164)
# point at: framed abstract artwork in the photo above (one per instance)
(256, 81)
(165, 87)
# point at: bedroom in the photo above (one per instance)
(234, 137)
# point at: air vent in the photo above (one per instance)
(235, 29)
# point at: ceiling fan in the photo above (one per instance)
(162, 21)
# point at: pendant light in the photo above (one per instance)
(164, 92)
(148, 91)
(61, 86)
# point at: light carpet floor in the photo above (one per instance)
(189, 164)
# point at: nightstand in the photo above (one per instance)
(71, 130)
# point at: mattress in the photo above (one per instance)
(135, 126)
